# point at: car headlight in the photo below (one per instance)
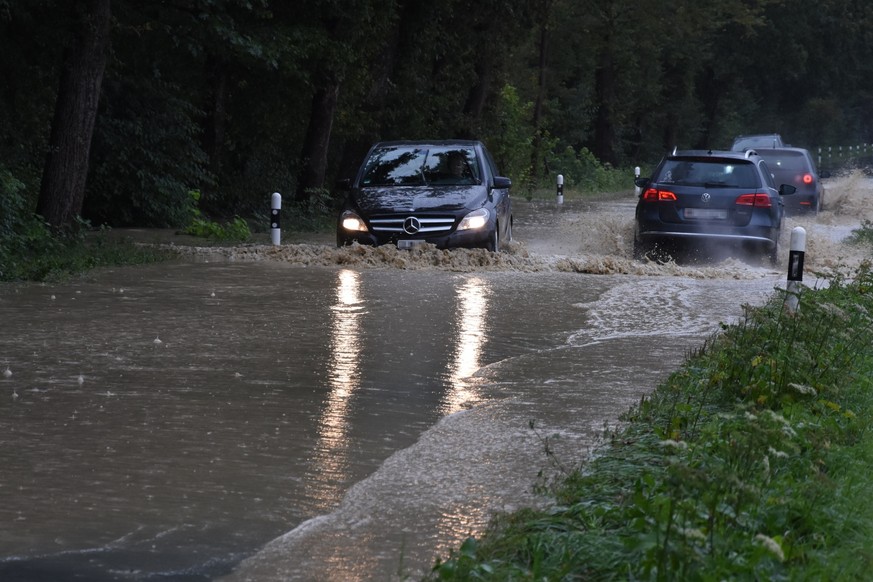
(476, 219)
(351, 221)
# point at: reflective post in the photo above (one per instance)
(560, 188)
(276, 209)
(795, 268)
(637, 175)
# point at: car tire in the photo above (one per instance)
(773, 253)
(640, 250)
(493, 243)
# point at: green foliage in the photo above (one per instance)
(510, 136)
(23, 237)
(30, 250)
(219, 97)
(236, 230)
(863, 236)
(35, 253)
(751, 462)
(582, 171)
(146, 156)
(315, 213)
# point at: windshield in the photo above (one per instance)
(417, 166)
(708, 173)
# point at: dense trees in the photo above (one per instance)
(235, 99)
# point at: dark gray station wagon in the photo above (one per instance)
(700, 198)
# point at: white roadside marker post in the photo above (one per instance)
(560, 189)
(795, 268)
(276, 209)
(636, 175)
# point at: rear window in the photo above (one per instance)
(756, 141)
(793, 162)
(708, 173)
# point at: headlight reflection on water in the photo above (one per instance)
(472, 312)
(344, 376)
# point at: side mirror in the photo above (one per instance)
(641, 182)
(502, 183)
(786, 189)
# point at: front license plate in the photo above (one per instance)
(408, 244)
(706, 213)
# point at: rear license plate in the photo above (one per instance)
(706, 213)
(408, 244)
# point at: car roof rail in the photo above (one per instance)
(750, 152)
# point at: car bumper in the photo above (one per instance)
(800, 201)
(653, 235)
(464, 239)
(758, 227)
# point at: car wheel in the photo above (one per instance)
(640, 250)
(343, 241)
(493, 243)
(773, 253)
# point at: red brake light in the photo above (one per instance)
(758, 200)
(653, 194)
(807, 178)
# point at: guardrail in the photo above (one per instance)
(836, 157)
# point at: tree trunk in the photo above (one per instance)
(541, 95)
(216, 127)
(604, 124)
(315, 145)
(66, 168)
(373, 106)
(475, 104)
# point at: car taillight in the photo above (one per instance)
(758, 200)
(653, 195)
(807, 178)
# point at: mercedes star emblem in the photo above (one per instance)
(411, 225)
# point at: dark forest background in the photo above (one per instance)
(128, 112)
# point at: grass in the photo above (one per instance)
(751, 462)
(38, 255)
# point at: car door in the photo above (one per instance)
(500, 196)
(773, 191)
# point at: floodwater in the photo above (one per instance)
(311, 413)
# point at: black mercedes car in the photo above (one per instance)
(447, 193)
(709, 198)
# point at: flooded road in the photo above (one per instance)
(309, 413)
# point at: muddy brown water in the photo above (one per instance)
(308, 413)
